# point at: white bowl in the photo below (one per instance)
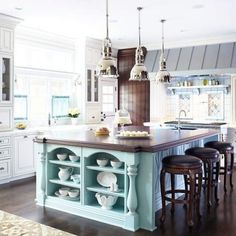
(115, 163)
(73, 193)
(106, 201)
(76, 178)
(102, 162)
(64, 191)
(62, 156)
(73, 158)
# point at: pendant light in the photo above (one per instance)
(107, 66)
(139, 71)
(162, 75)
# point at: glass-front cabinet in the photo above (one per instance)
(92, 86)
(6, 79)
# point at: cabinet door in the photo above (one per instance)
(24, 155)
(6, 43)
(6, 79)
(5, 118)
(93, 113)
(92, 93)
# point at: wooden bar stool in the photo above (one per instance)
(211, 162)
(182, 165)
(227, 149)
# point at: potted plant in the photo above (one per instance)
(74, 114)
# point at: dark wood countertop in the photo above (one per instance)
(160, 139)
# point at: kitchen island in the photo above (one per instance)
(138, 196)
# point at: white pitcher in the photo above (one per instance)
(65, 173)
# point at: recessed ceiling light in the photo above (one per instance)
(198, 6)
(18, 8)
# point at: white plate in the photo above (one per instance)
(106, 179)
(67, 197)
(132, 137)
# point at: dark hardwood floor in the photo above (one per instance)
(18, 198)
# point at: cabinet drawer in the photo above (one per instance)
(5, 118)
(5, 141)
(5, 169)
(5, 152)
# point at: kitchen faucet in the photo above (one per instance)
(179, 118)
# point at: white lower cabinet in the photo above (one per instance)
(5, 158)
(5, 169)
(23, 155)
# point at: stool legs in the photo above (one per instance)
(231, 169)
(191, 198)
(209, 182)
(217, 171)
(172, 193)
(199, 188)
(228, 168)
(163, 187)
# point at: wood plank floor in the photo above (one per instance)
(18, 198)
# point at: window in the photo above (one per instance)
(21, 107)
(60, 106)
(46, 93)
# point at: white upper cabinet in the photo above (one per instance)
(6, 80)
(6, 42)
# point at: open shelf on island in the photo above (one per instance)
(107, 169)
(65, 183)
(66, 163)
(105, 190)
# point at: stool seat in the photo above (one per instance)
(181, 161)
(203, 153)
(220, 146)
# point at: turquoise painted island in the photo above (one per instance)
(127, 196)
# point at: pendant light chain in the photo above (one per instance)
(107, 19)
(162, 21)
(139, 27)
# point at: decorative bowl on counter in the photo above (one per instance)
(102, 161)
(106, 201)
(115, 163)
(62, 156)
(21, 126)
(73, 158)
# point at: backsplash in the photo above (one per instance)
(205, 104)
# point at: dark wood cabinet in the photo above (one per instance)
(133, 96)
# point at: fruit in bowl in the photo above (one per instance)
(102, 131)
(21, 126)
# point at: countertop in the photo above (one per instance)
(160, 139)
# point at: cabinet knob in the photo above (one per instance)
(0, 152)
(25, 136)
(0, 122)
(93, 117)
(1, 168)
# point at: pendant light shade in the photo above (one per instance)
(162, 75)
(107, 66)
(139, 71)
